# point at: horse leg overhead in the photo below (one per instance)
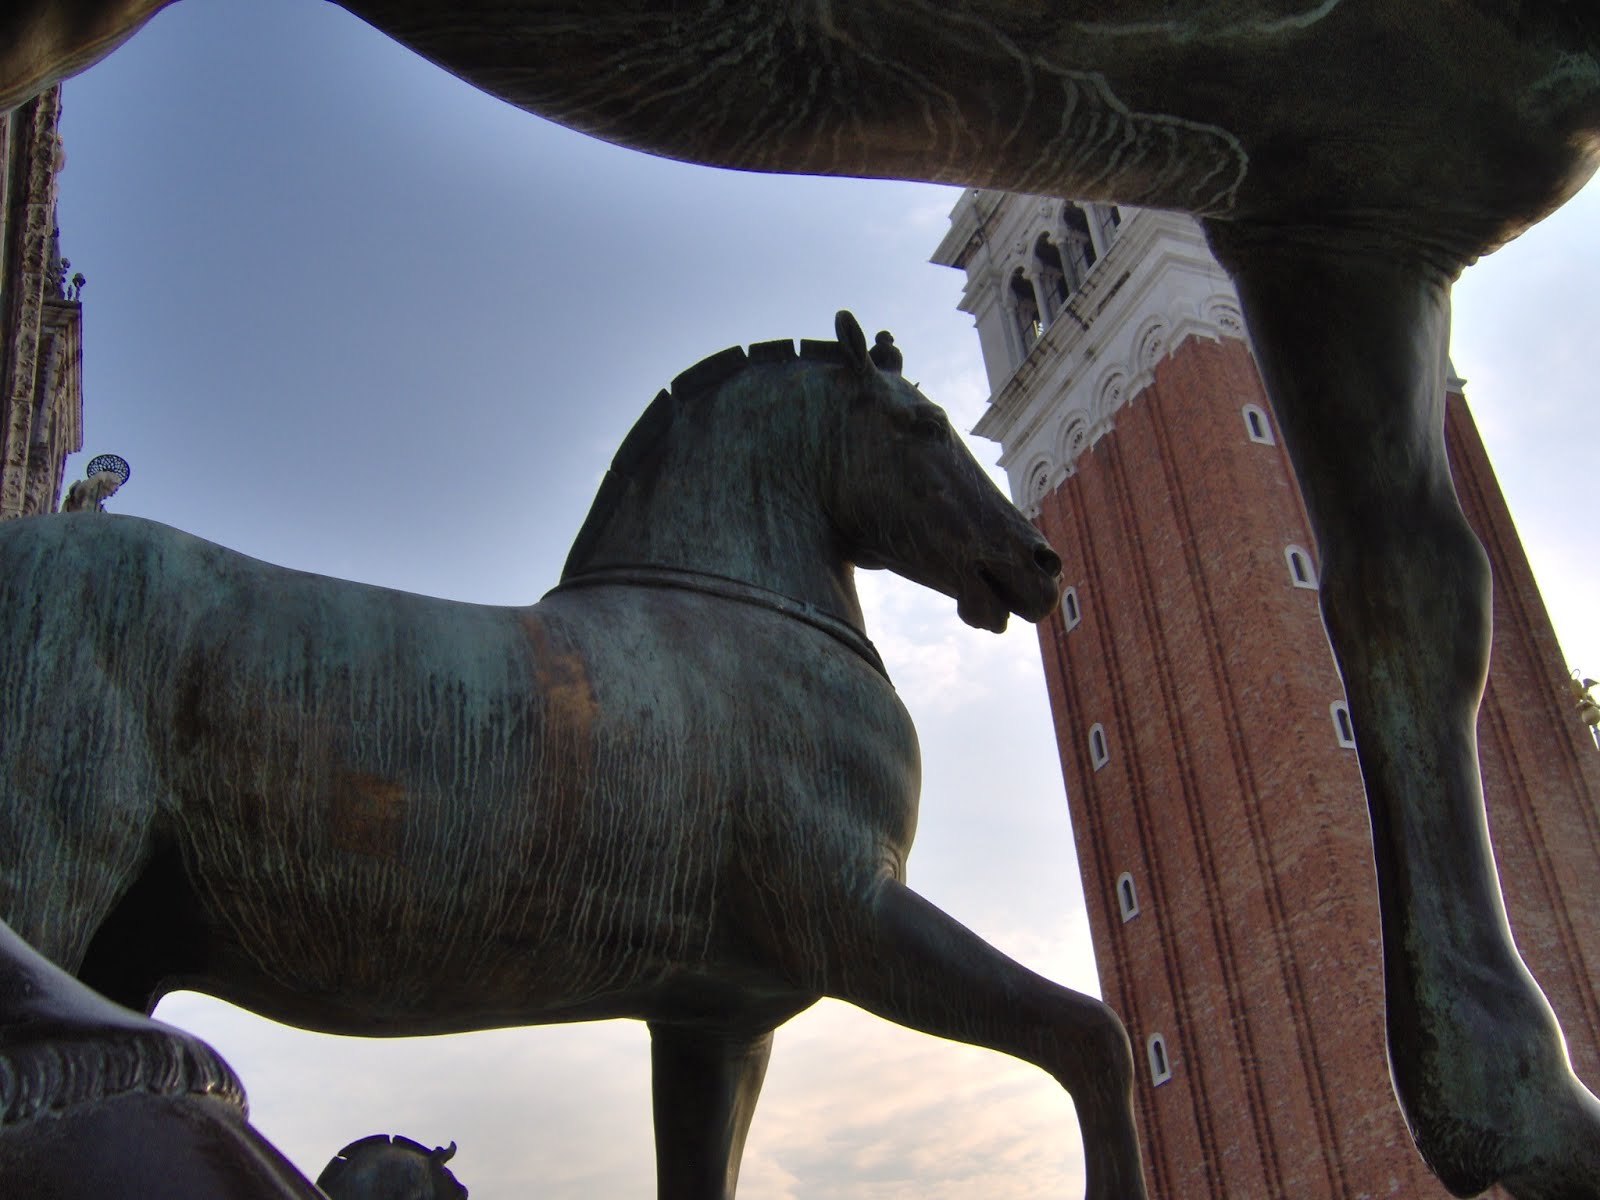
(42, 41)
(1351, 340)
(918, 967)
(704, 1087)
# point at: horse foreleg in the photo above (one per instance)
(917, 967)
(1351, 340)
(704, 1086)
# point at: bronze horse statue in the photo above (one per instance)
(680, 788)
(1347, 159)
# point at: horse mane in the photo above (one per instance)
(642, 445)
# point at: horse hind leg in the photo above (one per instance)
(58, 882)
(152, 933)
(78, 798)
(917, 967)
(704, 1082)
(73, 855)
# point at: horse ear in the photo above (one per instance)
(853, 342)
(443, 1154)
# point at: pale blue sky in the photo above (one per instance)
(346, 314)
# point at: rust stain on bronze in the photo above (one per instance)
(561, 677)
(366, 814)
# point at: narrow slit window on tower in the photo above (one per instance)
(1070, 613)
(1099, 755)
(1160, 1064)
(1257, 426)
(1343, 728)
(1127, 897)
(1301, 573)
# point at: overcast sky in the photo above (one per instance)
(346, 314)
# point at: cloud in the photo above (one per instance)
(854, 1107)
(858, 1108)
(559, 1111)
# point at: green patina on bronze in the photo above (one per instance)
(679, 788)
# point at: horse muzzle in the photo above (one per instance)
(1028, 585)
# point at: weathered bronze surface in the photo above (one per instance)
(680, 788)
(1348, 158)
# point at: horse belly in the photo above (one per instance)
(400, 917)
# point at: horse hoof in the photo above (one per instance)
(1562, 1159)
(1546, 1146)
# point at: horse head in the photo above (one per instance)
(911, 497)
(784, 470)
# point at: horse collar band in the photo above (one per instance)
(732, 589)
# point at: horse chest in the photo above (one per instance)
(789, 738)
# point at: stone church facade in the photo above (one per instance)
(1209, 760)
(41, 317)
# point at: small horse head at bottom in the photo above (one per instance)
(381, 1167)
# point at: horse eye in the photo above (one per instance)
(927, 427)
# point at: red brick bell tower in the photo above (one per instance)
(1210, 769)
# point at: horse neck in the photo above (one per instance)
(737, 492)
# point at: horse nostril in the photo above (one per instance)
(1048, 561)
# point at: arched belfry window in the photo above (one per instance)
(1080, 251)
(1301, 573)
(1106, 220)
(1071, 611)
(1099, 750)
(1344, 729)
(1257, 426)
(1054, 283)
(1127, 897)
(1160, 1063)
(1028, 323)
